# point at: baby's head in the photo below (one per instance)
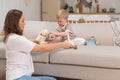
(62, 17)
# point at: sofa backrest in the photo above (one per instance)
(102, 31)
(32, 28)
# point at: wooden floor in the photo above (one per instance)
(2, 75)
(59, 78)
(66, 79)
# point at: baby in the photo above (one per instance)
(64, 30)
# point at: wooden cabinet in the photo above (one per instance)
(50, 8)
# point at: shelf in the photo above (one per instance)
(98, 13)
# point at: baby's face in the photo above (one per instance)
(62, 21)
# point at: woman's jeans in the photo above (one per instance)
(36, 78)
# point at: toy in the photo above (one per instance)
(44, 36)
(68, 39)
(92, 41)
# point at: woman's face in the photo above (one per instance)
(21, 23)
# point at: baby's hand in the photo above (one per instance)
(53, 33)
(52, 37)
(68, 31)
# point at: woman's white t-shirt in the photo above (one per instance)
(19, 60)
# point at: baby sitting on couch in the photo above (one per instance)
(64, 30)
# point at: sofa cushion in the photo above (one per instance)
(100, 56)
(32, 28)
(40, 57)
(2, 50)
(102, 31)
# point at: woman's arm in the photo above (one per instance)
(34, 40)
(49, 47)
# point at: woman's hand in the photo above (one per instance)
(70, 45)
(33, 40)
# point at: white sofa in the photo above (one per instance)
(101, 62)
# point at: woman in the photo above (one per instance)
(19, 64)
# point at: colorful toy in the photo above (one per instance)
(92, 41)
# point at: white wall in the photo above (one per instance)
(30, 8)
(103, 4)
(110, 3)
(71, 3)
